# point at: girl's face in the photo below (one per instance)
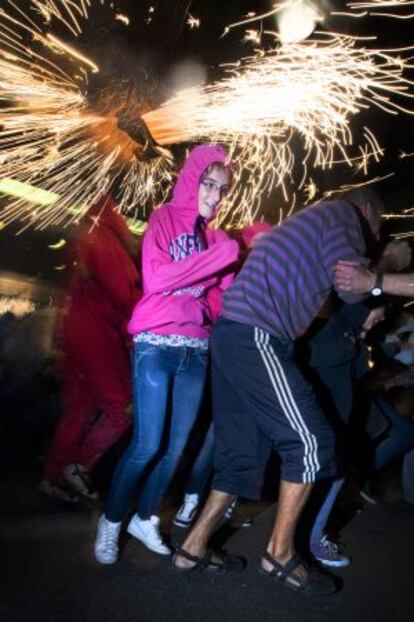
(213, 187)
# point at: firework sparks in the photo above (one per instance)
(124, 19)
(348, 187)
(52, 139)
(193, 22)
(68, 49)
(253, 36)
(380, 4)
(69, 12)
(377, 8)
(364, 8)
(49, 136)
(306, 89)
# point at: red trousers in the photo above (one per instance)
(96, 379)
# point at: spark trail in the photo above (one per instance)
(51, 138)
(308, 89)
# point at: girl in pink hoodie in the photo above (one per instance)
(181, 261)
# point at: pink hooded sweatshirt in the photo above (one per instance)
(176, 272)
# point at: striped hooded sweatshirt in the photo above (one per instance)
(289, 273)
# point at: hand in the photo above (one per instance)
(375, 316)
(396, 256)
(351, 277)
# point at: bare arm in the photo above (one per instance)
(353, 278)
(396, 257)
(399, 284)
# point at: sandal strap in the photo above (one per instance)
(200, 562)
(283, 571)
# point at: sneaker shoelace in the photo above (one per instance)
(188, 507)
(329, 546)
(110, 537)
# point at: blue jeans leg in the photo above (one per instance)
(399, 439)
(321, 519)
(187, 393)
(152, 375)
(408, 477)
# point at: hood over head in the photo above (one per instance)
(185, 192)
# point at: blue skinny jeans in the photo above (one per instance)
(399, 437)
(168, 384)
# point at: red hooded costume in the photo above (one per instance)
(102, 291)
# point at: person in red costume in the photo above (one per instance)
(103, 287)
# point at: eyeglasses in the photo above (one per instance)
(211, 185)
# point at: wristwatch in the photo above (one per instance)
(377, 289)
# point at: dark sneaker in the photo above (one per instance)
(329, 554)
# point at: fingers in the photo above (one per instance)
(352, 277)
(343, 276)
(347, 262)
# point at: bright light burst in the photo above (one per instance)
(51, 138)
(18, 306)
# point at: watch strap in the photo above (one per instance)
(377, 289)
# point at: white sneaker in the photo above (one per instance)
(77, 476)
(106, 543)
(147, 531)
(187, 511)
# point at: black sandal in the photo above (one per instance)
(227, 563)
(314, 583)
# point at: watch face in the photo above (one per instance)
(376, 291)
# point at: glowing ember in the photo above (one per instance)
(124, 19)
(193, 22)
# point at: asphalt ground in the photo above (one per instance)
(48, 572)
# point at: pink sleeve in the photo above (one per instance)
(161, 273)
(215, 293)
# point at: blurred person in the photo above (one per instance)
(261, 402)
(181, 259)
(337, 357)
(28, 357)
(103, 286)
(408, 477)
